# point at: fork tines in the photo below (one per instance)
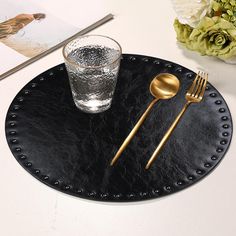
(199, 84)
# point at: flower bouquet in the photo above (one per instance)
(207, 26)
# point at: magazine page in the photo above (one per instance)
(30, 28)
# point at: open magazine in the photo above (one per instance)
(29, 32)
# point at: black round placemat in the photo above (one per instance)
(70, 150)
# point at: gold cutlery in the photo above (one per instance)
(163, 86)
(193, 95)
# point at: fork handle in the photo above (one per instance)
(133, 131)
(166, 136)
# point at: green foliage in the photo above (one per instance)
(213, 36)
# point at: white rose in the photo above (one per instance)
(191, 11)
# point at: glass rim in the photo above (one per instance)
(91, 67)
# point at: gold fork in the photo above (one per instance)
(193, 95)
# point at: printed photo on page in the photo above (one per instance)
(27, 30)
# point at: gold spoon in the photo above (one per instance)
(163, 86)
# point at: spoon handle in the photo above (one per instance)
(133, 132)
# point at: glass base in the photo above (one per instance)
(92, 108)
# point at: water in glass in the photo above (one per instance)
(93, 76)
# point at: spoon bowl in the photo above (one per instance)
(164, 86)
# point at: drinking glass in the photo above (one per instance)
(92, 64)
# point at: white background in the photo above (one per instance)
(28, 207)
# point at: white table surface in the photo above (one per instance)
(28, 207)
